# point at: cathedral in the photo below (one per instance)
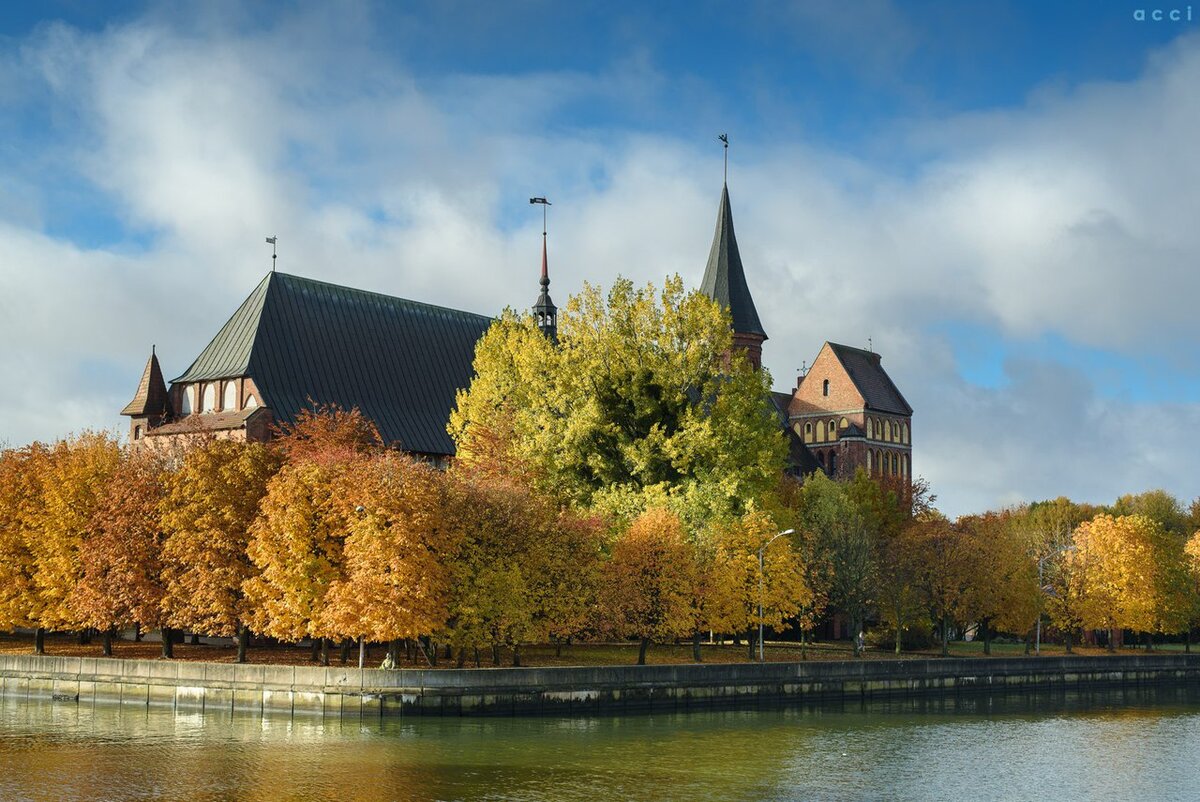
(295, 341)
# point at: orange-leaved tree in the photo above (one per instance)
(211, 503)
(649, 582)
(121, 584)
(395, 582)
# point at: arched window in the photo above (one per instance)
(229, 400)
(843, 423)
(904, 466)
(137, 432)
(820, 431)
(870, 429)
(251, 402)
(825, 387)
(832, 429)
(869, 460)
(210, 397)
(821, 457)
(904, 433)
(895, 465)
(185, 400)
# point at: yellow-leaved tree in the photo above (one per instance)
(20, 498)
(741, 587)
(72, 479)
(1119, 582)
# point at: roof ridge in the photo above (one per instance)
(345, 287)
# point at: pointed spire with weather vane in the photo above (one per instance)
(544, 310)
(725, 279)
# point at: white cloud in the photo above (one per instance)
(1069, 216)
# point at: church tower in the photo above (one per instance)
(150, 405)
(544, 311)
(725, 282)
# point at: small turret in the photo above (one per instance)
(149, 406)
(544, 310)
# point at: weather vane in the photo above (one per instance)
(544, 203)
(725, 138)
(271, 241)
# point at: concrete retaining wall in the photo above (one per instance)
(560, 691)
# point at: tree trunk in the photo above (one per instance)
(477, 657)
(495, 654)
(558, 644)
(168, 648)
(39, 640)
(945, 637)
(516, 655)
(462, 657)
(1149, 642)
(195, 639)
(1027, 643)
(1187, 640)
(1112, 641)
(324, 651)
(362, 652)
(642, 651)
(314, 646)
(1067, 640)
(345, 655)
(449, 651)
(243, 642)
(899, 636)
(752, 641)
(108, 639)
(431, 652)
(987, 637)
(696, 647)
(393, 652)
(803, 644)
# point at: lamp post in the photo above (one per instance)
(761, 590)
(1037, 649)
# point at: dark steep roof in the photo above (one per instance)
(724, 279)
(400, 362)
(868, 375)
(151, 396)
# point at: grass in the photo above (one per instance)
(580, 654)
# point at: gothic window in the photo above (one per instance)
(868, 458)
(251, 402)
(185, 400)
(229, 401)
(210, 398)
(808, 434)
(843, 423)
(832, 430)
(895, 465)
(820, 431)
(825, 388)
(137, 432)
(904, 433)
(904, 466)
(870, 430)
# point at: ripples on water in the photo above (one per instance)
(1142, 745)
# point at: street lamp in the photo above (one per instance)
(760, 588)
(1037, 649)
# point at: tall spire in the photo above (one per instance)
(725, 279)
(150, 400)
(544, 310)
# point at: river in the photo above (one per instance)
(1134, 744)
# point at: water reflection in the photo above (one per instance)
(1136, 743)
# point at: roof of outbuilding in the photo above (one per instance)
(872, 381)
(725, 279)
(398, 361)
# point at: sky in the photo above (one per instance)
(1001, 197)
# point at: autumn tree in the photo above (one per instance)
(845, 544)
(1002, 589)
(121, 583)
(210, 506)
(946, 562)
(738, 590)
(642, 403)
(71, 479)
(396, 581)
(19, 503)
(1119, 582)
(649, 582)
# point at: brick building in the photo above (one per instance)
(845, 412)
(294, 341)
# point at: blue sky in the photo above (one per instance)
(998, 194)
